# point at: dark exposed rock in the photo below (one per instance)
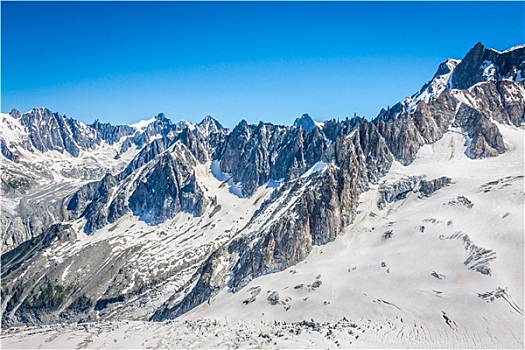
(397, 191)
(15, 113)
(13, 259)
(485, 138)
(478, 258)
(255, 154)
(166, 184)
(273, 298)
(167, 188)
(306, 122)
(474, 68)
(6, 152)
(427, 188)
(111, 133)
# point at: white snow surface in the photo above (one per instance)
(435, 87)
(235, 188)
(143, 124)
(11, 130)
(489, 71)
(362, 290)
(511, 49)
(320, 166)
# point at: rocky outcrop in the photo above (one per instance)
(111, 133)
(397, 190)
(485, 140)
(6, 152)
(401, 188)
(429, 187)
(95, 211)
(162, 189)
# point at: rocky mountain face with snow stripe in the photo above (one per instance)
(221, 207)
(488, 65)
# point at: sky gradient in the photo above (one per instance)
(272, 61)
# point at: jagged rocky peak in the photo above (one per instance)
(50, 131)
(183, 124)
(161, 124)
(162, 117)
(479, 65)
(167, 187)
(483, 64)
(306, 122)
(255, 154)
(431, 90)
(157, 124)
(111, 133)
(15, 113)
(210, 125)
(447, 67)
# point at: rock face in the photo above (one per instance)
(306, 122)
(317, 172)
(427, 188)
(482, 64)
(255, 154)
(51, 132)
(6, 152)
(166, 188)
(485, 138)
(400, 189)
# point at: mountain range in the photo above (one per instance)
(160, 220)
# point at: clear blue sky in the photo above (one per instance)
(271, 61)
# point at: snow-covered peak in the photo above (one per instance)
(209, 125)
(184, 124)
(143, 124)
(37, 110)
(517, 47)
(434, 88)
(11, 129)
(307, 123)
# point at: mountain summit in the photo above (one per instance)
(306, 122)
